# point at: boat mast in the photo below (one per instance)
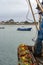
(33, 14)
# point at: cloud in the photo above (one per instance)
(14, 8)
(7, 6)
(20, 16)
(12, 5)
(10, 8)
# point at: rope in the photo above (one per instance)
(28, 2)
(39, 61)
(28, 12)
(32, 13)
(40, 5)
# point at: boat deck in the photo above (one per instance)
(40, 59)
(37, 60)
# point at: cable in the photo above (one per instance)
(28, 2)
(32, 13)
(28, 12)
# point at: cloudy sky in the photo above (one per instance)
(15, 9)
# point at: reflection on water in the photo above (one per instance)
(10, 38)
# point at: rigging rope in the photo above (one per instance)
(28, 1)
(28, 12)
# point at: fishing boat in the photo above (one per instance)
(25, 52)
(24, 29)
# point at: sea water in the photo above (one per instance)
(10, 39)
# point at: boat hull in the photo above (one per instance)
(24, 29)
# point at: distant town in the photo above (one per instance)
(12, 22)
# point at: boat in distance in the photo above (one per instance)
(24, 29)
(2, 27)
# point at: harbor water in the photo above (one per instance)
(10, 39)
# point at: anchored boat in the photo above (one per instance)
(24, 29)
(2, 27)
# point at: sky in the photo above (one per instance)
(15, 9)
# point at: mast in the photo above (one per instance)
(32, 13)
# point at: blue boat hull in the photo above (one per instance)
(24, 29)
